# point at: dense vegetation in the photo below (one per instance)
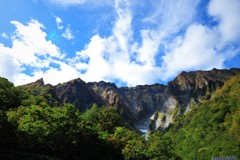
(213, 129)
(34, 126)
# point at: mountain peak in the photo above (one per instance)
(39, 82)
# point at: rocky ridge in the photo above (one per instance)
(145, 107)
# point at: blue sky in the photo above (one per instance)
(129, 42)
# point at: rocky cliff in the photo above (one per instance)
(146, 107)
(186, 91)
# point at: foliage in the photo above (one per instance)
(160, 147)
(32, 125)
(63, 132)
(41, 95)
(102, 119)
(212, 129)
(49, 129)
(9, 95)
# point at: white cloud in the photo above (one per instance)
(93, 3)
(31, 49)
(120, 57)
(59, 23)
(196, 50)
(172, 15)
(52, 75)
(29, 42)
(206, 47)
(168, 19)
(68, 2)
(8, 64)
(110, 58)
(185, 45)
(4, 35)
(68, 34)
(227, 14)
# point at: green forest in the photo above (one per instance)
(34, 126)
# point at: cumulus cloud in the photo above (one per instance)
(170, 40)
(196, 50)
(206, 47)
(31, 49)
(68, 34)
(53, 75)
(121, 57)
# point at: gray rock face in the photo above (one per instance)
(77, 93)
(145, 107)
(186, 91)
(136, 104)
(109, 94)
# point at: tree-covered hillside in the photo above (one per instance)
(212, 129)
(33, 125)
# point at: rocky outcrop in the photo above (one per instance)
(135, 104)
(145, 107)
(186, 91)
(77, 93)
(110, 95)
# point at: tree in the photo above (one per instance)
(9, 95)
(160, 147)
(102, 119)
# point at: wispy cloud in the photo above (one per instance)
(67, 2)
(121, 57)
(59, 23)
(93, 3)
(226, 13)
(4, 35)
(169, 40)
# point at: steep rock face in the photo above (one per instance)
(188, 90)
(154, 106)
(77, 93)
(135, 104)
(143, 100)
(109, 94)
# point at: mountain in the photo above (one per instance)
(198, 111)
(145, 107)
(213, 128)
(186, 91)
(77, 93)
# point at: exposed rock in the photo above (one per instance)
(188, 90)
(154, 106)
(77, 93)
(39, 82)
(109, 94)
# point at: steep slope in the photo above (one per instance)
(77, 93)
(143, 100)
(144, 106)
(136, 104)
(37, 93)
(213, 128)
(109, 94)
(186, 91)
